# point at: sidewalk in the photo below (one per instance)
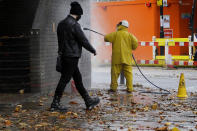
(117, 111)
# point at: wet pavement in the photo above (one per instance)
(117, 111)
(162, 77)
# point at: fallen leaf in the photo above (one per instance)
(99, 93)
(161, 112)
(41, 104)
(175, 129)
(2, 120)
(73, 103)
(23, 111)
(69, 113)
(38, 125)
(23, 125)
(54, 113)
(44, 98)
(61, 129)
(175, 104)
(18, 108)
(171, 97)
(162, 129)
(146, 108)
(21, 91)
(101, 122)
(195, 112)
(167, 124)
(75, 115)
(154, 106)
(162, 117)
(44, 124)
(62, 116)
(133, 111)
(129, 129)
(7, 123)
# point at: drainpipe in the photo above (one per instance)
(192, 19)
(161, 21)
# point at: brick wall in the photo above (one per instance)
(16, 19)
(39, 19)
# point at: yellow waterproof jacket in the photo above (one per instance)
(123, 43)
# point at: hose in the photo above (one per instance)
(167, 92)
(148, 79)
(93, 31)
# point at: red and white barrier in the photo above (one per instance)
(148, 43)
(147, 62)
(185, 63)
(175, 63)
(142, 43)
(168, 57)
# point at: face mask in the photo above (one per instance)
(78, 17)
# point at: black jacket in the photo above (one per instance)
(71, 38)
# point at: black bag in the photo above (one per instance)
(59, 63)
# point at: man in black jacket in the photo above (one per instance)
(71, 39)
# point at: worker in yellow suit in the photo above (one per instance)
(123, 43)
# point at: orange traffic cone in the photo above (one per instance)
(182, 93)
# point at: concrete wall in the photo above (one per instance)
(49, 13)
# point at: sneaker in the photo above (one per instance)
(91, 103)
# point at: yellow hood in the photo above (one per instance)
(120, 27)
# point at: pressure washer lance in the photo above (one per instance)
(167, 92)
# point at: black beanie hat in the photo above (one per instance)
(76, 8)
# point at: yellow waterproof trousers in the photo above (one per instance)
(115, 72)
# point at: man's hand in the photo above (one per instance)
(95, 53)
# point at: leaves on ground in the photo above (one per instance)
(116, 110)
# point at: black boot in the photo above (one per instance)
(90, 102)
(56, 106)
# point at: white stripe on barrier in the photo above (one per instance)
(190, 63)
(191, 43)
(143, 43)
(181, 62)
(151, 62)
(151, 43)
(181, 43)
(142, 61)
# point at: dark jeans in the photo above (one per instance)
(70, 69)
